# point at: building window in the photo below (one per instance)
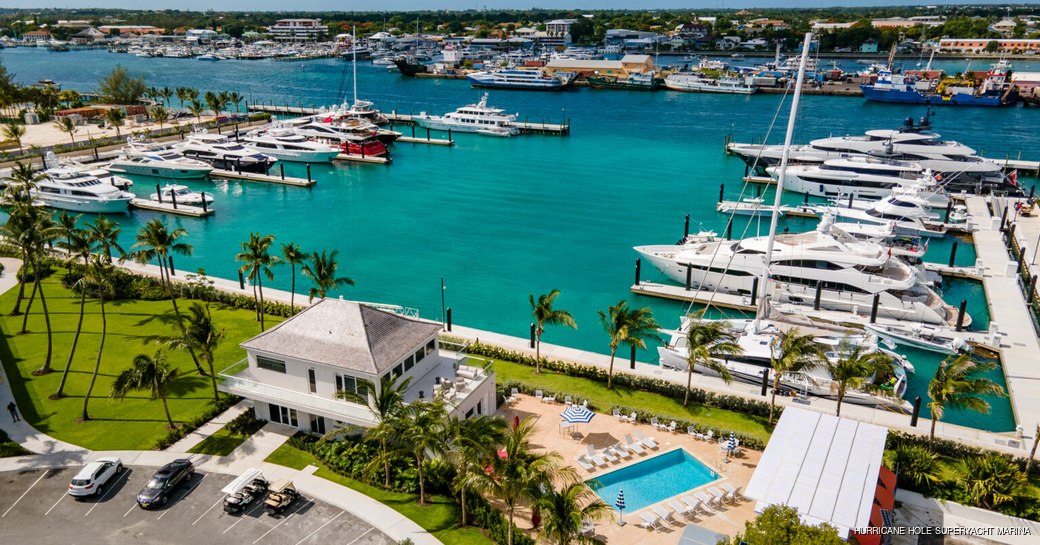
(317, 425)
(350, 385)
(270, 364)
(409, 363)
(430, 346)
(312, 380)
(419, 355)
(399, 371)
(283, 415)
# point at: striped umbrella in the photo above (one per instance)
(620, 504)
(732, 445)
(577, 415)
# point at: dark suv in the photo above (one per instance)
(169, 477)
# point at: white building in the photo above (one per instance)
(294, 370)
(297, 30)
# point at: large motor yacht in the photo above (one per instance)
(760, 347)
(288, 145)
(907, 210)
(862, 177)
(221, 152)
(73, 189)
(343, 135)
(478, 118)
(150, 159)
(845, 273)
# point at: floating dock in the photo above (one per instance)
(363, 159)
(170, 208)
(766, 180)
(257, 177)
(1017, 164)
(695, 296)
(432, 141)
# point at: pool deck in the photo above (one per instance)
(606, 430)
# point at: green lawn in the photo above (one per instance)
(604, 399)
(136, 422)
(220, 443)
(440, 517)
(9, 448)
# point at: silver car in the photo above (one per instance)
(91, 480)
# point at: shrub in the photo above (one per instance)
(245, 424)
(183, 430)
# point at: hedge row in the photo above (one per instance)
(351, 457)
(184, 429)
(952, 449)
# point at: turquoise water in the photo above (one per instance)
(653, 480)
(503, 218)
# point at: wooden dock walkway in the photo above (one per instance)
(354, 158)
(257, 177)
(170, 208)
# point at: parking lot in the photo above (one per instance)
(35, 508)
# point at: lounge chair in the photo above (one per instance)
(588, 528)
(710, 435)
(680, 509)
(632, 445)
(706, 500)
(694, 505)
(633, 417)
(692, 432)
(550, 398)
(539, 395)
(663, 513)
(617, 414)
(731, 492)
(719, 495)
(646, 441)
(620, 451)
(585, 403)
(671, 426)
(607, 455)
(591, 454)
(650, 520)
(580, 459)
(568, 400)
(656, 423)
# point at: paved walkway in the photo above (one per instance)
(209, 428)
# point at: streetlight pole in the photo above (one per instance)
(443, 317)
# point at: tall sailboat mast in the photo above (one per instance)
(764, 281)
(353, 47)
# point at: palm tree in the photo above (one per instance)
(201, 337)
(67, 126)
(213, 101)
(235, 98)
(159, 114)
(115, 117)
(293, 255)
(423, 434)
(155, 241)
(79, 246)
(992, 479)
(21, 223)
(97, 276)
(14, 131)
(954, 386)
(67, 224)
(166, 93)
(625, 325)
(40, 236)
(196, 108)
(707, 341)
(105, 233)
(520, 475)
(855, 367)
(256, 261)
(386, 402)
(796, 353)
(564, 511)
(186, 95)
(544, 313)
(150, 374)
(472, 443)
(322, 271)
(915, 465)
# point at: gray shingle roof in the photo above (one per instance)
(345, 334)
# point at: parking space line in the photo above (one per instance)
(207, 511)
(56, 504)
(320, 527)
(258, 505)
(283, 521)
(44, 474)
(126, 472)
(360, 536)
(183, 495)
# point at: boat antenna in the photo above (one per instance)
(764, 281)
(353, 47)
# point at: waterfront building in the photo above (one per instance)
(297, 30)
(819, 26)
(294, 370)
(979, 45)
(642, 64)
(122, 30)
(35, 36)
(87, 35)
(558, 32)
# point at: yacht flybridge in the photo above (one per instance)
(220, 152)
(286, 144)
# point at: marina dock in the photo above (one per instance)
(354, 158)
(257, 177)
(1018, 164)
(170, 208)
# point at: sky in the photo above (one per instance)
(411, 5)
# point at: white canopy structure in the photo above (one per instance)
(241, 481)
(824, 466)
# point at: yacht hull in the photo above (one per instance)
(74, 204)
(160, 172)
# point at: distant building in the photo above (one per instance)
(122, 30)
(88, 35)
(621, 68)
(1004, 26)
(831, 26)
(36, 36)
(869, 46)
(297, 30)
(754, 43)
(201, 35)
(758, 25)
(894, 22)
(72, 24)
(978, 45)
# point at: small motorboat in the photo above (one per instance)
(754, 206)
(921, 336)
(959, 214)
(180, 194)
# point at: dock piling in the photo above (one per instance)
(806, 201)
(953, 253)
(765, 381)
(96, 158)
(754, 291)
(1032, 189)
(686, 227)
(916, 413)
(960, 314)
(819, 294)
(949, 208)
(874, 307)
(449, 319)
(689, 275)
(281, 168)
(309, 172)
(722, 189)
(173, 199)
(1003, 218)
(449, 140)
(204, 207)
(639, 265)
(158, 193)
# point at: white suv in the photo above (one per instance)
(91, 480)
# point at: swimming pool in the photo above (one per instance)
(653, 480)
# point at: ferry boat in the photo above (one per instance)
(67, 188)
(288, 145)
(689, 81)
(528, 80)
(223, 153)
(180, 194)
(636, 81)
(475, 118)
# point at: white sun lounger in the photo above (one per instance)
(719, 495)
(580, 459)
(693, 504)
(680, 509)
(632, 445)
(650, 521)
(707, 500)
(663, 513)
(731, 492)
(646, 441)
(620, 451)
(539, 395)
(617, 414)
